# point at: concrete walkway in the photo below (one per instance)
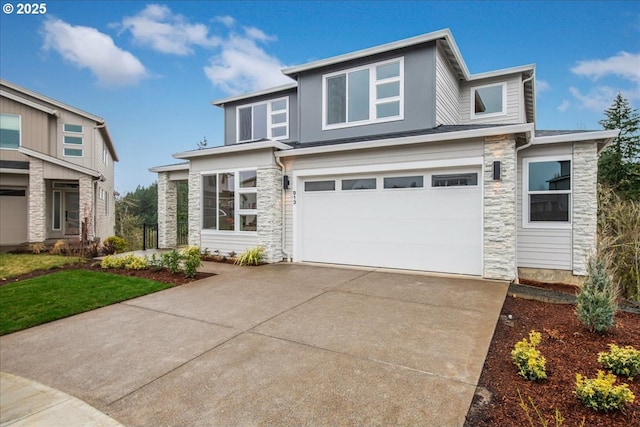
(283, 344)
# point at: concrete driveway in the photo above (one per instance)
(282, 344)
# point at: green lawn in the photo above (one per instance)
(12, 265)
(64, 293)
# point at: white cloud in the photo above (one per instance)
(226, 20)
(624, 66)
(87, 47)
(542, 86)
(564, 106)
(157, 27)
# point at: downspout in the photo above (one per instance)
(283, 207)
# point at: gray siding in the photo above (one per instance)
(230, 128)
(34, 132)
(515, 101)
(541, 247)
(419, 102)
(447, 92)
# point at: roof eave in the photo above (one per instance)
(170, 168)
(231, 149)
(281, 88)
(59, 162)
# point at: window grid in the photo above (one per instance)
(530, 195)
(238, 210)
(276, 120)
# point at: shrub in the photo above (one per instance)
(59, 247)
(191, 257)
(130, 262)
(619, 239)
(623, 361)
(36, 248)
(596, 301)
(114, 244)
(171, 261)
(252, 256)
(530, 362)
(600, 394)
(111, 261)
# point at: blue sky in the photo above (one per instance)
(151, 69)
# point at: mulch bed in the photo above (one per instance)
(569, 349)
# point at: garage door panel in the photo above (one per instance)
(431, 229)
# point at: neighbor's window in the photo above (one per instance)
(71, 142)
(268, 120)
(548, 190)
(72, 128)
(454, 180)
(487, 101)
(9, 131)
(230, 201)
(369, 94)
(404, 182)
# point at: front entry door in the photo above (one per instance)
(71, 213)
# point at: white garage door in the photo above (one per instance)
(13, 216)
(419, 220)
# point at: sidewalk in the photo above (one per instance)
(27, 403)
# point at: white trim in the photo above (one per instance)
(236, 148)
(409, 140)
(269, 125)
(59, 162)
(576, 137)
(373, 101)
(503, 72)
(170, 168)
(221, 102)
(472, 100)
(525, 194)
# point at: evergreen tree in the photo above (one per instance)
(619, 164)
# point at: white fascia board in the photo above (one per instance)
(59, 162)
(24, 101)
(51, 101)
(607, 135)
(503, 72)
(229, 149)
(424, 38)
(409, 140)
(221, 102)
(170, 168)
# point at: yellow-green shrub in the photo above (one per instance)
(130, 262)
(600, 394)
(252, 256)
(623, 361)
(530, 362)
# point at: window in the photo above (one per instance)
(73, 140)
(9, 131)
(320, 186)
(8, 192)
(454, 180)
(548, 190)
(488, 101)
(230, 201)
(404, 182)
(363, 95)
(268, 120)
(359, 184)
(106, 203)
(105, 154)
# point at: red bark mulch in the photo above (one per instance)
(569, 349)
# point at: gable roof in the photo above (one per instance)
(49, 105)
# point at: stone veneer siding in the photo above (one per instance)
(270, 212)
(37, 226)
(584, 204)
(167, 211)
(499, 241)
(195, 183)
(87, 205)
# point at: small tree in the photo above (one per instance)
(619, 164)
(596, 302)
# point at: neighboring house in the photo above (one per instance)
(56, 170)
(394, 156)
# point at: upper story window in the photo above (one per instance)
(9, 131)
(547, 192)
(269, 119)
(105, 154)
(72, 139)
(363, 95)
(488, 100)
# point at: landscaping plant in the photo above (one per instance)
(171, 261)
(558, 418)
(252, 256)
(623, 361)
(596, 304)
(191, 259)
(114, 244)
(600, 394)
(530, 362)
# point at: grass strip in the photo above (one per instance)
(39, 300)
